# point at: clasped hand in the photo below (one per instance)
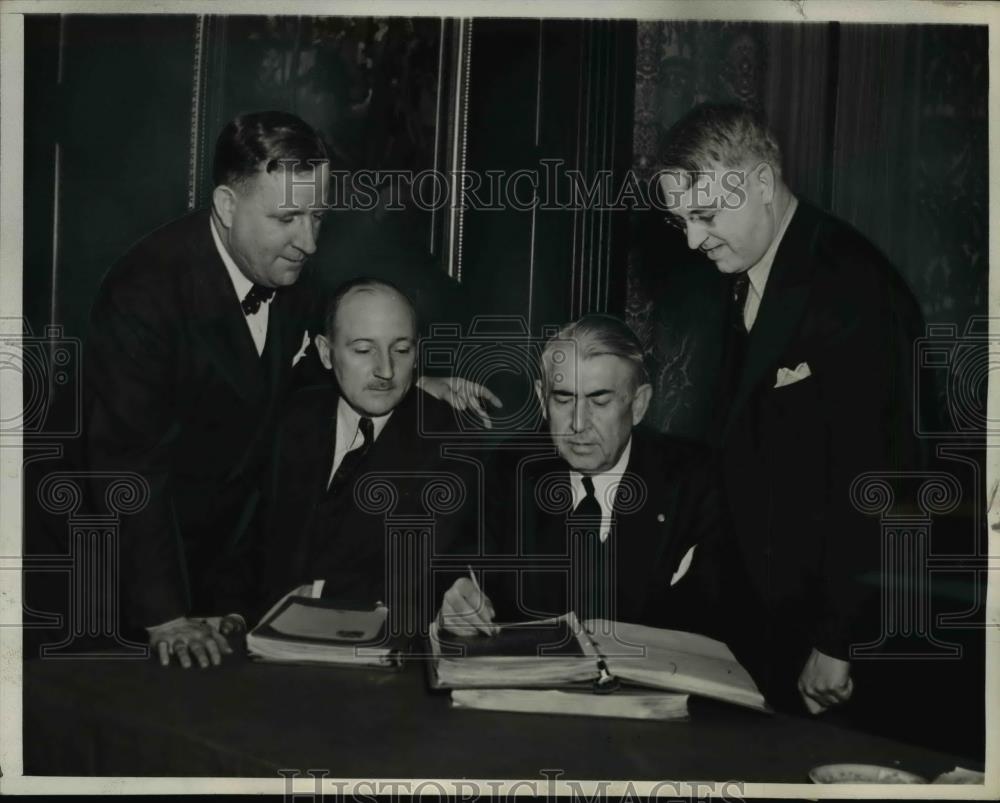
(825, 681)
(205, 639)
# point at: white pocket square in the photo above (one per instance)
(683, 567)
(787, 376)
(302, 349)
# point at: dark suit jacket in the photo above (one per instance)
(176, 392)
(307, 538)
(802, 561)
(672, 509)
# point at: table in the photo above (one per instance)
(128, 717)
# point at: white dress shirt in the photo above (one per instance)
(605, 489)
(349, 435)
(257, 322)
(758, 273)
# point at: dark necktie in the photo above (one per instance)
(352, 459)
(257, 295)
(589, 508)
(594, 588)
(735, 341)
(739, 290)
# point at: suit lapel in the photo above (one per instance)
(542, 530)
(360, 536)
(781, 309)
(395, 449)
(643, 537)
(313, 458)
(300, 483)
(278, 349)
(219, 321)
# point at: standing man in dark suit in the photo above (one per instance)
(368, 425)
(817, 389)
(193, 336)
(623, 505)
(191, 345)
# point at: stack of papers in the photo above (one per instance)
(623, 704)
(537, 654)
(614, 657)
(303, 629)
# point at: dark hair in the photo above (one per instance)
(265, 138)
(596, 334)
(361, 283)
(724, 133)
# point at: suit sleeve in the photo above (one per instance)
(269, 559)
(500, 536)
(130, 426)
(868, 400)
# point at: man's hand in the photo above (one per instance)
(461, 394)
(467, 611)
(186, 637)
(824, 682)
(232, 624)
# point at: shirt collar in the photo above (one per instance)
(602, 481)
(758, 273)
(241, 284)
(348, 423)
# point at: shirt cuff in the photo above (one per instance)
(165, 624)
(243, 622)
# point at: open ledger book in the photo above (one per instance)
(304, 628)
(506, 671)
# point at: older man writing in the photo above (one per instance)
(623, 506)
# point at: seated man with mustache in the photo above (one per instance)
(325, 521)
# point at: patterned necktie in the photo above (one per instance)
(351, 460)
(257, 295)
(735, 341)
(591, 561)
(740, 289)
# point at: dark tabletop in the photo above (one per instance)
(132, 717)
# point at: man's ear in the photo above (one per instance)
(224, 204)
(640, 402)
(766, 178)
(540, 393)
(325, 349)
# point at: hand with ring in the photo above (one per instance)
(185, 638)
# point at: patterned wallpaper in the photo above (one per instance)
(682, 64)
(951, 180)
(674, 298)
(368, 83)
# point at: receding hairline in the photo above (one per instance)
(371, 288)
